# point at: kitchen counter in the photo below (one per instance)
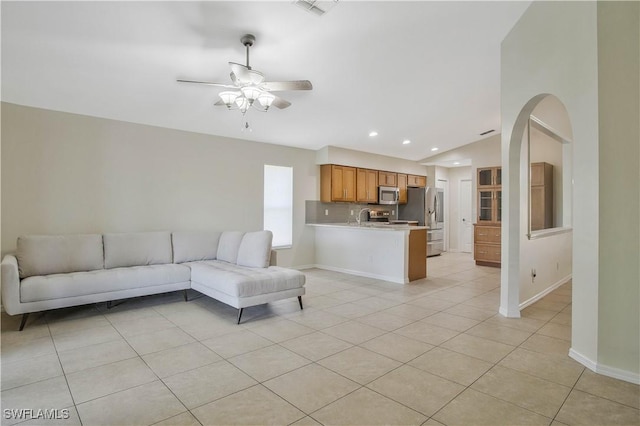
(389, 252)
(370, 226)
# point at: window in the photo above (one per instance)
(278, 204)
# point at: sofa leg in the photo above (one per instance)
(24, 321)
(110, 304)
(186, 298)
(240, 314)
(300, 302)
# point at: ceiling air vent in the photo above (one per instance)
(487, 132)
(316, 7)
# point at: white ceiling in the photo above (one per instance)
(426, 71)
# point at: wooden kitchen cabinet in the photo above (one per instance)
(487, 230)
(487, 244)
(402, 188)
(489, 177)
(337, 183)
(490, 205)
(541, 196)
(416, 181)
(387, 179)
(367, 186)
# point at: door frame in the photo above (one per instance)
(460, 225)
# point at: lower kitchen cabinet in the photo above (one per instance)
(417, 254)
(487, 248)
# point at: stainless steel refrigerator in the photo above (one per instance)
(426, 205)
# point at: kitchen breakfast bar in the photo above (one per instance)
(395, 253)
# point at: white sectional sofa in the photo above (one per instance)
(56, 271)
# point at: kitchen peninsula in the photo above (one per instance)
(395, 253)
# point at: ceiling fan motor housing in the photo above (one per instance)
(248, 40)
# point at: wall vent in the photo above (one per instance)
(487, 132)
(316, 7)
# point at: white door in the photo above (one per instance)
(466, 226)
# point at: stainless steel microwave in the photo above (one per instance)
(388, 195)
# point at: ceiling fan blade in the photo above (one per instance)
(228, 86)
(219, 103)
(276, 86)
(280, 103)
(241, 72)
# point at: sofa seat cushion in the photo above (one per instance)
(57, 286)
(239, 281)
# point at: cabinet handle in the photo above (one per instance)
(481, 234)
(482, 252)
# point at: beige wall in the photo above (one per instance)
(350, 157)
(619, 180)
(563, 60)
(66, 173)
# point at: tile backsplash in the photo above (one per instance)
(319, 212)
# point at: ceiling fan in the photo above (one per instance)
(249, 86)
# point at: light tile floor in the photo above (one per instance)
(361, 352)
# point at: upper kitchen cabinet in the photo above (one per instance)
(402, 187)
(489, 195)
(489, 177)
(416, 181)
(367, 186)
(337, 183)
(541, 196)
(490, 205)
(387, 179)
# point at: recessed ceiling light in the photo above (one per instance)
(434, 149)
(373, 133)
(406, 142)
(455, 163)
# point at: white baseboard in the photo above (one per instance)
(605, 370)
(359, 273)
(505, 313)
(543, 293)
(302, 267)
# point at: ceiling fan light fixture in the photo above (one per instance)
(242, 103)
(266, 99)
(251, 93)
(229, 97)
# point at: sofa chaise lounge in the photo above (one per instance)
(57, 271)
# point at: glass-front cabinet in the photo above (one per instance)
(489, 177)
(490, 195)
(490, 205)
(488, 229)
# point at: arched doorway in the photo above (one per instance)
(536, 254)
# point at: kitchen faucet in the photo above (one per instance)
(360, 213)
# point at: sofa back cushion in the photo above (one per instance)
(59, 254)
(255, 249)
(229, 245)
(192, 246)
(137, 249)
